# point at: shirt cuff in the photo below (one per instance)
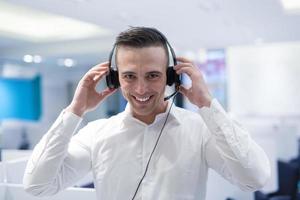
(71, 116)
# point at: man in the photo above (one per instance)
(151, 150)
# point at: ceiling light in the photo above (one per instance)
(37, 26)
(69, 62)
(28, 58)
(37, 59)
(66, 62)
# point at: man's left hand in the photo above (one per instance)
(198, 93)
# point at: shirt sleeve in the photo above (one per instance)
(57, 161)
(231, 151)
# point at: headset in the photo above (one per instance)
(112, 78)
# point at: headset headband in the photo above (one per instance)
(112, 79)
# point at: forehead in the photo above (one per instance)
(148, 58)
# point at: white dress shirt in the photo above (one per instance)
(117, 149)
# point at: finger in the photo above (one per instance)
(105, 93)
(106, 63)
(180, 65)
(184, 64)
(185, 69)
(100, 67)
(182, 59)
(103, 67)
(99, 76)
(93, 75)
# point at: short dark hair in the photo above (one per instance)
(139, 37)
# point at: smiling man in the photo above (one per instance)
(143, 80)
(152, 150)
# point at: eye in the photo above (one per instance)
(129, 76)
(152, 76)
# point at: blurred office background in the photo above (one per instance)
(248, 51)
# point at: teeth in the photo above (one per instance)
(142, 99)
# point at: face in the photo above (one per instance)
(142, 76)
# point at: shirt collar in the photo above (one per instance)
(172, 116)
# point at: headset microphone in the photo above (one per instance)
(173, 94)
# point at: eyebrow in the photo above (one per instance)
(150, 72)
(128, 72)
(154, 72)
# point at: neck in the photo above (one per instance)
(149, 119)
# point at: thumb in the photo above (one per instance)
(106, 93)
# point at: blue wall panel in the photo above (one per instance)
(20, 98)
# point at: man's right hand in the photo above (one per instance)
(86, 98)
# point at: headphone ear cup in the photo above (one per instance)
(172, 77)
(177, 79)
(112, 79)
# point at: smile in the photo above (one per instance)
(143, 99)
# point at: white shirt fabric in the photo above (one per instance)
(117, 149)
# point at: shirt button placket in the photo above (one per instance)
(146, 155)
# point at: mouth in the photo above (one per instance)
(142, 100)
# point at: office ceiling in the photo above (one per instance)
(189, 25)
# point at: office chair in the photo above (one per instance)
(88, 185)
(281, 198)
(288, 177)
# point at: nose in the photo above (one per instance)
(141, 87)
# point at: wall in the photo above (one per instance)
(264, 79)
